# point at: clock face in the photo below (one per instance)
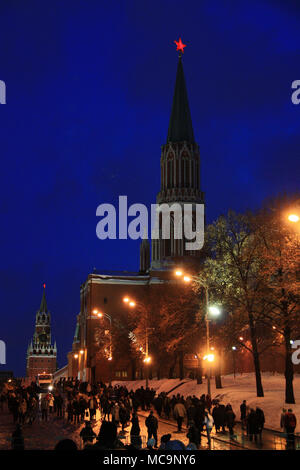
(43, 338)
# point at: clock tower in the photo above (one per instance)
(41, 353)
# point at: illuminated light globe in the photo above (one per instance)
(178, 273)
(126, 300)
(210, 357)
(186, 278)
(294, 218)
(215, 311)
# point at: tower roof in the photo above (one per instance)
(180, 126)
(43, 306)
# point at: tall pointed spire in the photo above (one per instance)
(43, 306)
(180, 126)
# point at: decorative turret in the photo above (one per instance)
(41, 353)
(180, 167)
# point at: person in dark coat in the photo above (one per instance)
(123, 416)
(290, 423)
(252, 425)
(191, 412)
(194, 435)
(216, 416)
(243, 409)
(107, 437)
(167, 407)
(152, 425)
(199, 416)
(59, 406)
(135, 431)
(222, 417)
(208, 402)
(87, 434)
(230, 419)
(158, 404)
(260, 422)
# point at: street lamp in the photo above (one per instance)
(213, 310)
(101, 315)
(147, 358)
(293, 218)
(233, 357)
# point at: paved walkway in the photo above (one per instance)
(45, 435)
(271, 440)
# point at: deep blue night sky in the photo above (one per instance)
(89, 93)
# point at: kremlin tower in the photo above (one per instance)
(41, 353)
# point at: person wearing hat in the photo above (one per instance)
(164, 440)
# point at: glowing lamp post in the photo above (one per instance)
(234, 348)
(108, 317)
(213, 310)
(147, 359)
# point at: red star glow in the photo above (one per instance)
(180, 45)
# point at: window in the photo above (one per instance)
(124, 373)
(118, 374)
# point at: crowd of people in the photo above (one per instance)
(77, 402)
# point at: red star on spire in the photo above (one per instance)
(44, 285)
(180, 45)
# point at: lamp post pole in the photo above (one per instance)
(99, 315)
(147, 349)
(147, 356)
(110, 346)
(206, 317)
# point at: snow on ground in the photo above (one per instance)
(234, 391)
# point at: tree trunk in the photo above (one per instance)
(218, 379)
(289, 368)
(172, 367)
(133, 369)
(181, 367)
(199, 372)
(259, 387)
(158, 373)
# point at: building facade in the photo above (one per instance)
(90, 358)
(41, 353)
